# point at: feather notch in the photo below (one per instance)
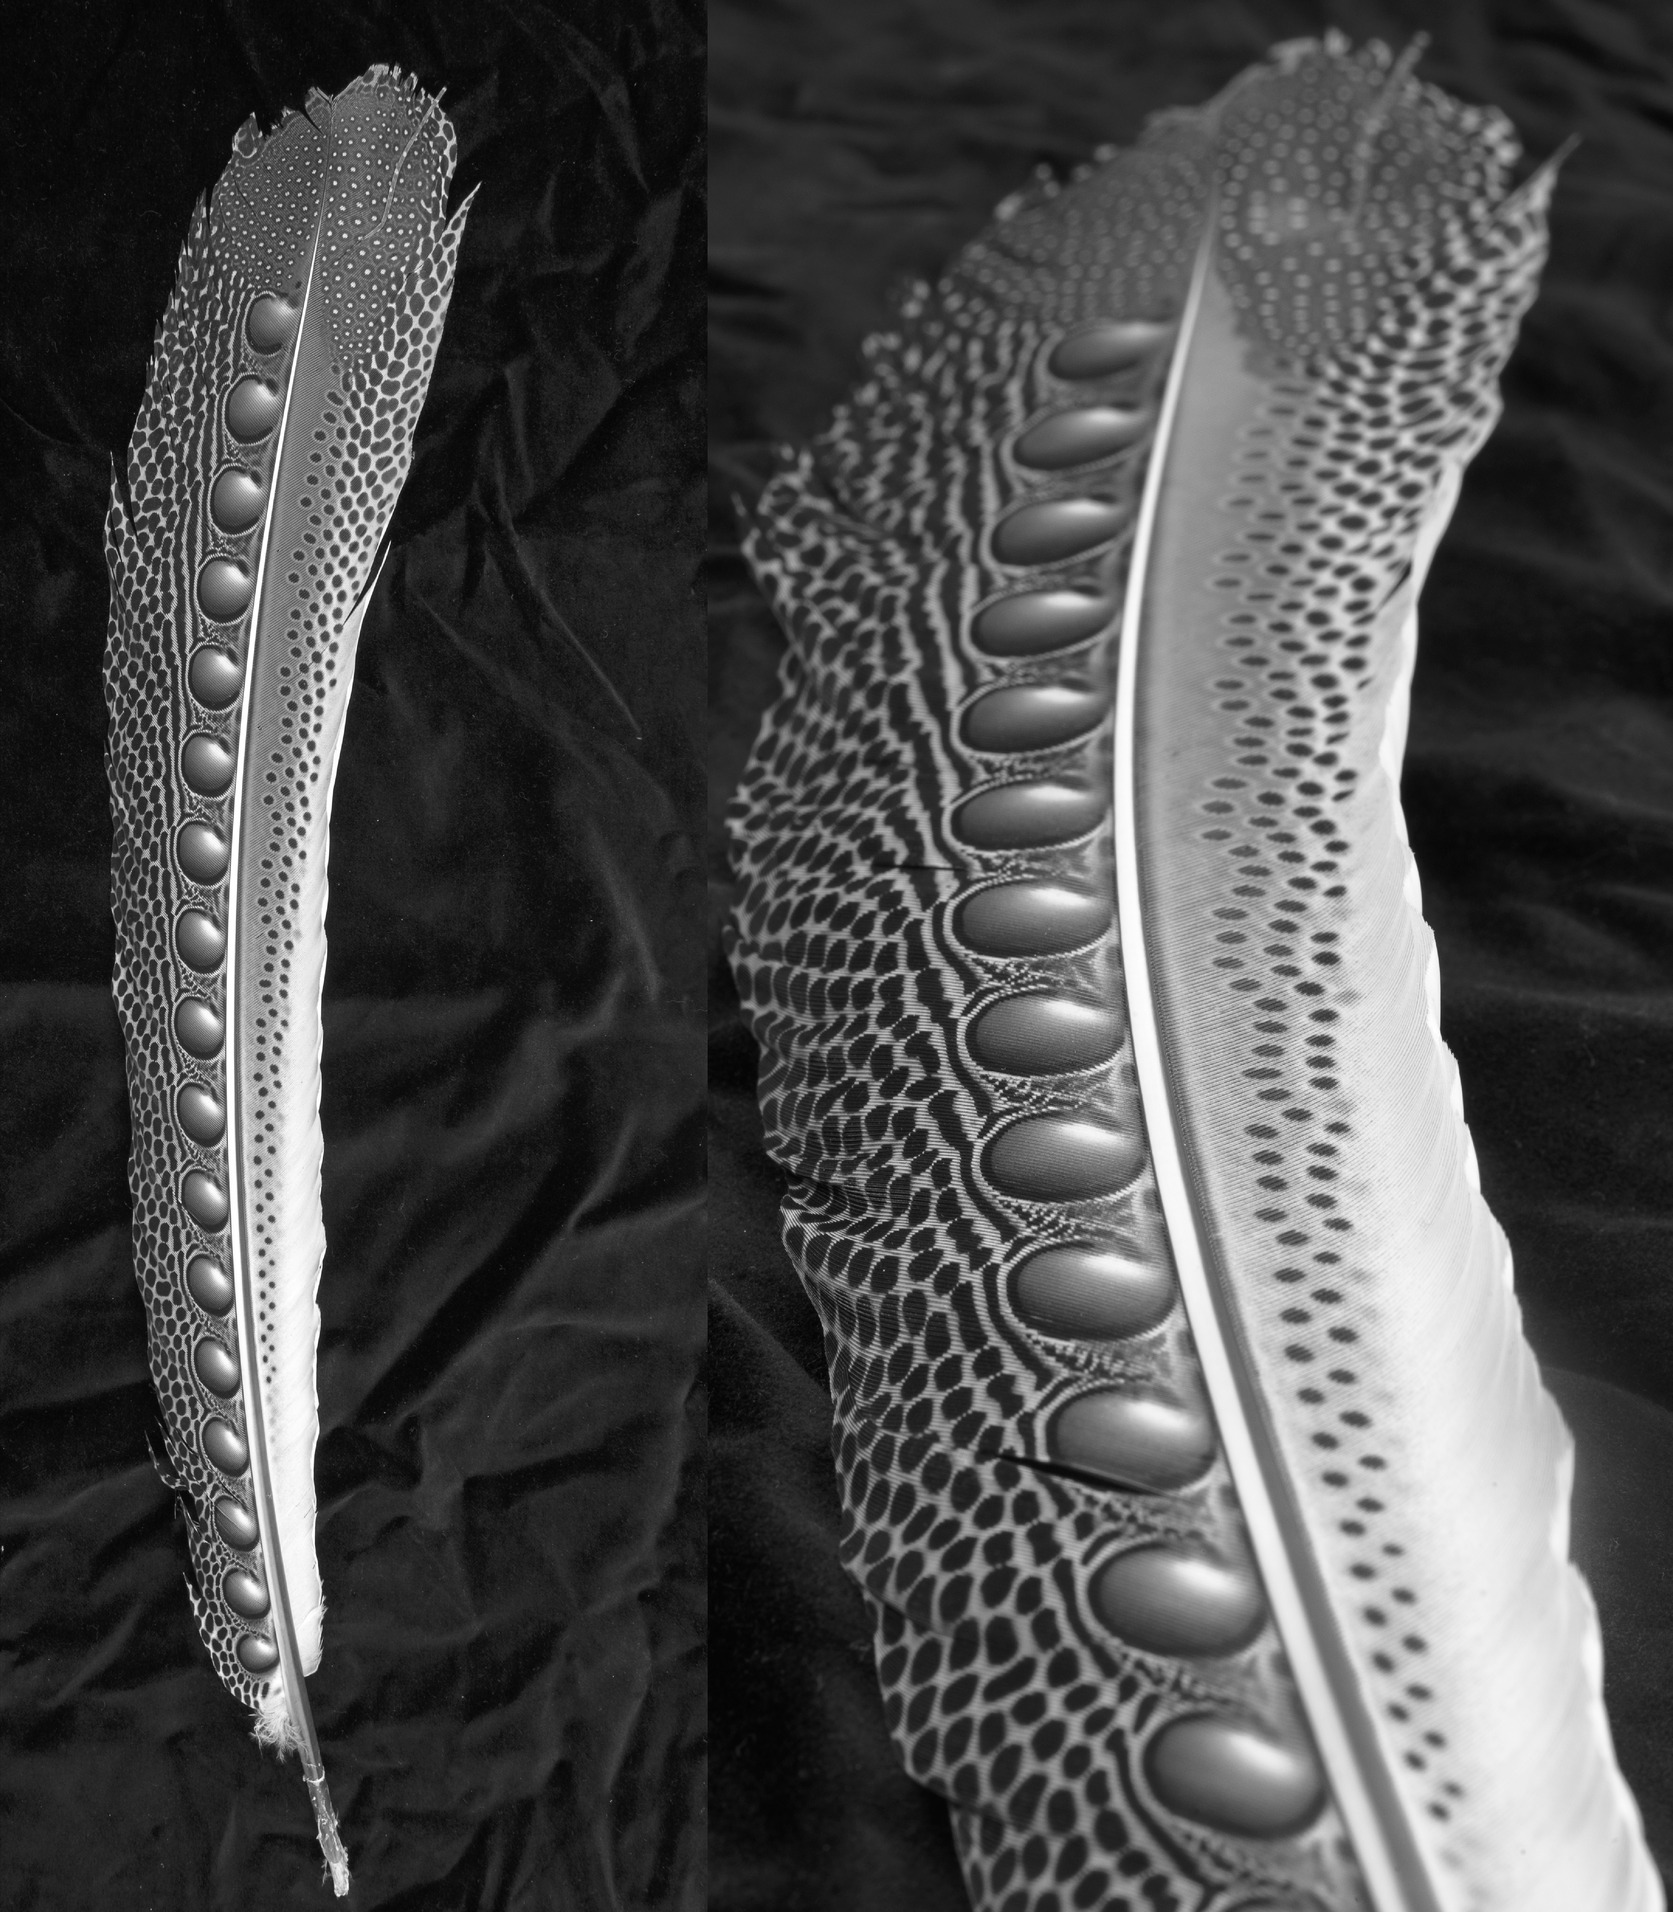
(1203, 1490)
(275, 435)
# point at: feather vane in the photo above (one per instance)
(1202, 1488)
(274, 438)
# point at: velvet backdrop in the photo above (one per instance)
(859, 146)
(510, 1523)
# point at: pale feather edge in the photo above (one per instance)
(1390, 761)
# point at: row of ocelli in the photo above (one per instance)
(215, 675)
(1175, 1599)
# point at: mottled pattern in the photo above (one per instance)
(1337, 182)
(1341, 186)
(368, 172)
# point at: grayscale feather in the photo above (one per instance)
(274, 438)
(1200, 1483)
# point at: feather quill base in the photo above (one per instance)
(325, 1821)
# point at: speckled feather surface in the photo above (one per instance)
(275, 435)
(1204, 1493)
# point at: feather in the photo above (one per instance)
(1202, 1489)
(274, 438)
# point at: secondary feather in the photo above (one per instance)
(274, 438)
(1203, 1490)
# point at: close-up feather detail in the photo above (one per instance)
(274, 438)
(1203, 1491)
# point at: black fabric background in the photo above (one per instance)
(510, 1522)
(861, 144)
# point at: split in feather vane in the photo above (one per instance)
(1209, 1508)
(274, 439)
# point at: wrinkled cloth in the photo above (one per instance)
(511, 1528)
(858, 148)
